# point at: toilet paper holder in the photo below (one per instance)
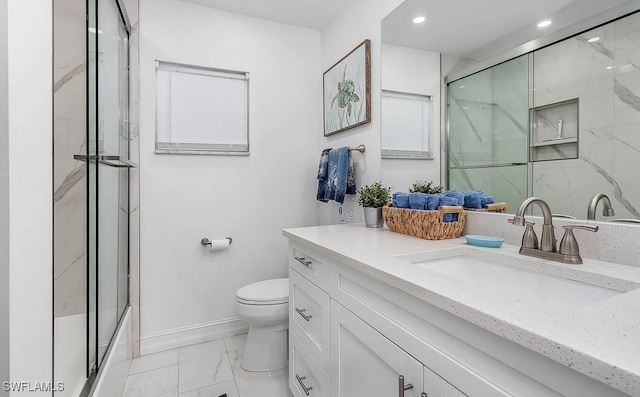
(205, 241)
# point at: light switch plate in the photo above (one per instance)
(347, 211)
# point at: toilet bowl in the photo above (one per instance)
(265, 306)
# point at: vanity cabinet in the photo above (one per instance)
(309, 307)
(352, 334)
(368, 364)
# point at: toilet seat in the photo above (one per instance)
(267, 292)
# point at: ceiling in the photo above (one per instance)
(477, 29)
(311, 14)
(486, 28)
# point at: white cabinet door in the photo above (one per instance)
(435, 386)
(365, 363)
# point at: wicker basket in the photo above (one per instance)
(424, 224)
(495, 207)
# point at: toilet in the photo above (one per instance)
(265, 306)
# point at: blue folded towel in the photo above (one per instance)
(486, 199)
(322, 175)
(337, 173)
(459, 196)
(401, 200)
(417, 201)
(472, 199)
(444, 200)
(433, 201)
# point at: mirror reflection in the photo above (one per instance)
(561, 122)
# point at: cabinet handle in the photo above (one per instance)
(402, 387)
(423, 394)
(305, 388)
(305, 316)
(302, 260)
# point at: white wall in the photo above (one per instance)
(4, 197)
(358, 21)
(187, 292)
(30, 198)
(418, 72)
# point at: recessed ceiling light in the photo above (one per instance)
(419, 19)
(544, 23)
(593, 39)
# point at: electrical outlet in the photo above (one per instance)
(346, 211)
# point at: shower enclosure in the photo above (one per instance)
(91, 205)
(488, 118)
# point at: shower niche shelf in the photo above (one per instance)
(554, 131)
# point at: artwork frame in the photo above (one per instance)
(346, 91)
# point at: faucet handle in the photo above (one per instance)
(583, 227)
(569, 245)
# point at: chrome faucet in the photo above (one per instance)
(607, 210)
(569, 251)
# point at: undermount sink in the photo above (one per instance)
(549, 291)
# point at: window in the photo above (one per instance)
(405, 125)
(201, 110)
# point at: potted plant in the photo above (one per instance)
(372, 198)
(424, 187)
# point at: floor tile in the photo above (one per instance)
(263, 384)
(162, 382)
(154, 361)
(217, 390)
(235, 343)
(203, 365)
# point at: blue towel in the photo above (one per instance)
(433, 201)
(401, 200)
(472, 199)
(458, 196)
(444, 200)
(337, 173)
(417, 201)
(322, 175)
(486, 199)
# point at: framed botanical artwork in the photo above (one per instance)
(347, 91)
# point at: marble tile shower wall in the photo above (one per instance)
(605, 76)
(69, 125)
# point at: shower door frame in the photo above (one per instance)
(95, 160)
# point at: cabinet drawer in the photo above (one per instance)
(309, 308)
(306, 378)
(311, 264)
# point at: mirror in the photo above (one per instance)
(601, 77)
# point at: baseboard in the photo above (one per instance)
(198, 333)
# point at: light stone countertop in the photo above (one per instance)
(600, 340)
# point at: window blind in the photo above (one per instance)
(405, 125)
(201, 110)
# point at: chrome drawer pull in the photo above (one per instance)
(305, 316)
(302, 260)
(305, 388)
(402, 387)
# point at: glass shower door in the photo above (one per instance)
(108, 174)
(488, 115)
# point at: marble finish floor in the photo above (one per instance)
(208, 369)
